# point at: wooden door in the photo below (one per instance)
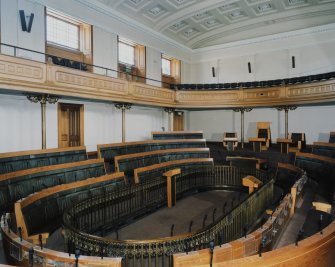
(178, 121)
(70, 125)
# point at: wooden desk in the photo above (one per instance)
(257, 143)
(284, 144)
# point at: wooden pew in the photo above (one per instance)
(16, 249)
(324, 149)
(157, 170)
(246, 163)
(15, 161)
(127, 163)
(110, 151)
(41, 212)
(19, 184)
(177, 135)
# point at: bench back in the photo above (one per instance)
(127, 163)
(110, 151)
(16, 161)
(17, 185)
(157, 170)
(42, 211)
(177, 135)
(324, 149)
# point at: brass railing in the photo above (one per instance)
(103, 213)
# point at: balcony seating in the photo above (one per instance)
(298, 141)
(109, 151)
(15, 161)
(230, 140)
(17, 185)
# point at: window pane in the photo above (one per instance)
(166, 66)
(126, 54)
(62, 33)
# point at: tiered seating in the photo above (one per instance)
(110, 151)
(324, 149)
(41, 212)
(15, 161)
(19, 184)
(127, 163)
(177, 135)
(157, 170)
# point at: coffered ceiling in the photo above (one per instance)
(196, 23)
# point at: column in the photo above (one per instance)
(123, 107)
(242, 110)
(286, 109)
(170, 111)
(43, 99)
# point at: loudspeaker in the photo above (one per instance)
(293, 62)
(213, 71)
(24, 23)
(249, 67)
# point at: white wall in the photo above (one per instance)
(21, 122)
(316, 122)
(11, 31)
(105, 51)
(270, 57)
(153, 66)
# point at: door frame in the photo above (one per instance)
(81, 120)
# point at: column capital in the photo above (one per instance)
(43, 99)
(169, 110)
(123, 106)
(286, 107)
(242, 109)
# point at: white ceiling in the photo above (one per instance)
(196, 23)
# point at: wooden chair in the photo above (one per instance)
(298, 141)
(263, 131)
(230, 140)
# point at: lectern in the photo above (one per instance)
(171, 186)
(251, 182)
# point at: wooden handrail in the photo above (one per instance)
(324, 144)
(10, 175)
(158, 152)
(40, 151)
(177, 132)
(167, 163)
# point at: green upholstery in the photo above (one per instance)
(109, 153)
(21, 186)
(22, 162)
(177, 135)
(327, 151)
(129, 164)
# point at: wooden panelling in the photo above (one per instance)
(24, 75)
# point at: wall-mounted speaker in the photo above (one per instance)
(293, 62)
(24, 26)
(213, 71)
(249, 67)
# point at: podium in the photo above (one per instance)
(257, 143)
(251, 182)
(284, 144)
(171, 186)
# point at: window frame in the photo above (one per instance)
(130, 44)
(68, 20)
(167, 59)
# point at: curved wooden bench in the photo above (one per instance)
(157, 170)
(15, 161)
(110, 151)
(324, 149)
(16, 185)
(40, 212)
(177, 135)
(17, 249)
(127, 163)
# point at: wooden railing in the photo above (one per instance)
(111, 210)
(25, 75)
